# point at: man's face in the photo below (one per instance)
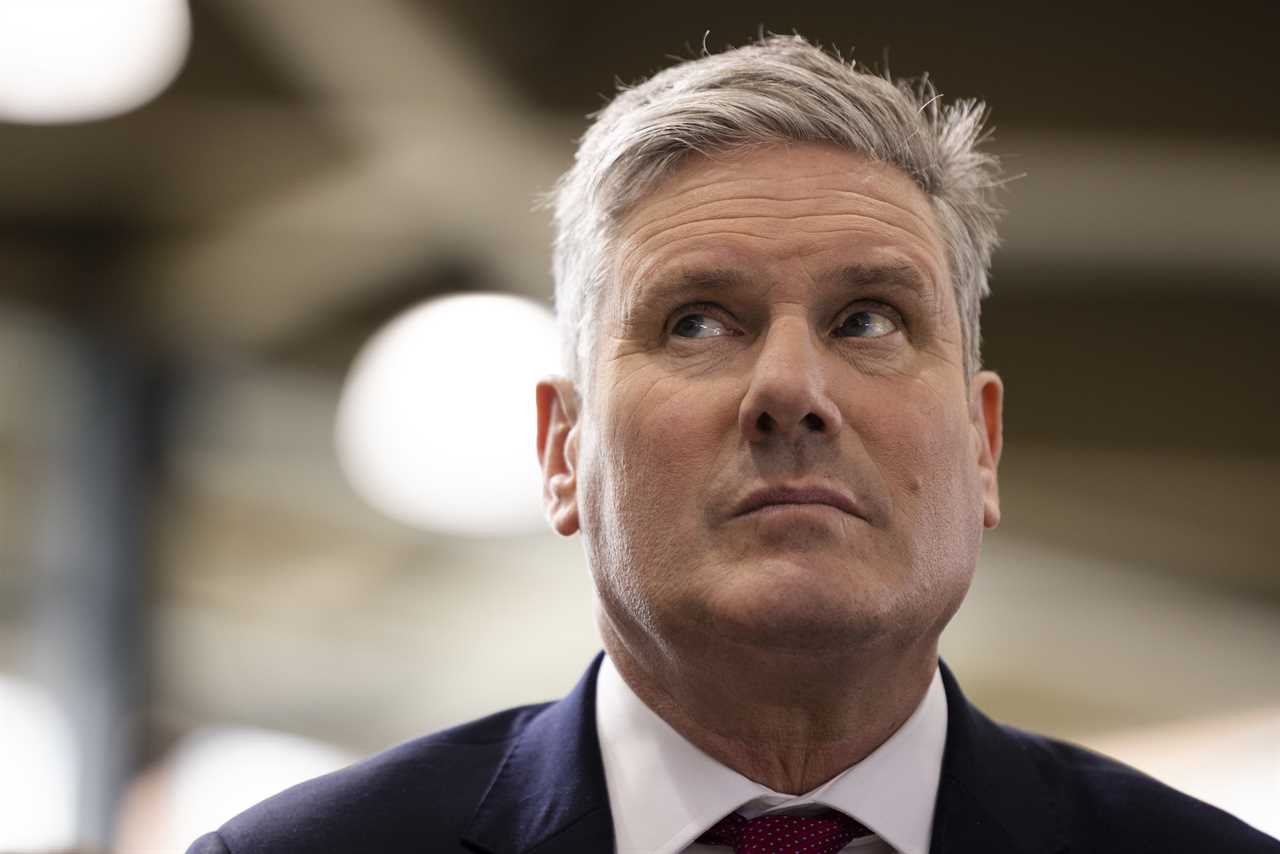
(779, 446)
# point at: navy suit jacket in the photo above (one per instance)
(530, 780)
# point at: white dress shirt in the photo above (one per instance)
(664, 793)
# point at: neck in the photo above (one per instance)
(789, 721)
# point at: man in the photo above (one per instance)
(777, 442)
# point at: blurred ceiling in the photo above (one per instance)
(1143, 67)
(319, 164)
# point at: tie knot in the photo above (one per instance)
(826, 833)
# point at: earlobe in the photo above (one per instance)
(987, 413)
(558, 452)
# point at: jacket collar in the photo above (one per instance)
(993, 797)
(549, 796)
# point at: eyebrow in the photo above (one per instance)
(852, 277)
(905, 276)
(666, 287)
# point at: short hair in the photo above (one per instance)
(780, 89)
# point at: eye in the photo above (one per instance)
(868, 323)
(698, 325)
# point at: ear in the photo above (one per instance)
(986, 407)
(558, 452)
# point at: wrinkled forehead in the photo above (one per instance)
(763, 204)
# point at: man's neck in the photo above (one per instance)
(787, 721)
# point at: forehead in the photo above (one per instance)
(811, 205)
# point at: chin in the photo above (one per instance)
(807, 634)
(807, 604)
(801, 618)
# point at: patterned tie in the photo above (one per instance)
(785, 834)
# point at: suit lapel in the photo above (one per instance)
(549, 796)
(992, 797)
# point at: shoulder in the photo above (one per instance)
(1118, 808)
(409, 797)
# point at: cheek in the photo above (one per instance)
(923, 445)
(658, 445)
(643, 492)
(664, 439)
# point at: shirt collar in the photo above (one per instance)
(892, 791)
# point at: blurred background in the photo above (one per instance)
(237, 544)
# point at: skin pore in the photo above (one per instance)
(784, 318)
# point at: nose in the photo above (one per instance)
(788, 398)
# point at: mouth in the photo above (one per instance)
(783, 496)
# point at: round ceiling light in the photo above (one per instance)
(437, 422)
(80, 60)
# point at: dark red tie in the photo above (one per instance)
(826, 833)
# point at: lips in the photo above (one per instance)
(798, 495)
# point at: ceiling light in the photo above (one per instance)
(79, 60)
(437, 423)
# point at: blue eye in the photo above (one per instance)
(867, 324)
(699, 326)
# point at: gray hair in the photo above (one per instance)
(777, 90)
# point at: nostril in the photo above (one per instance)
(766, 424)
